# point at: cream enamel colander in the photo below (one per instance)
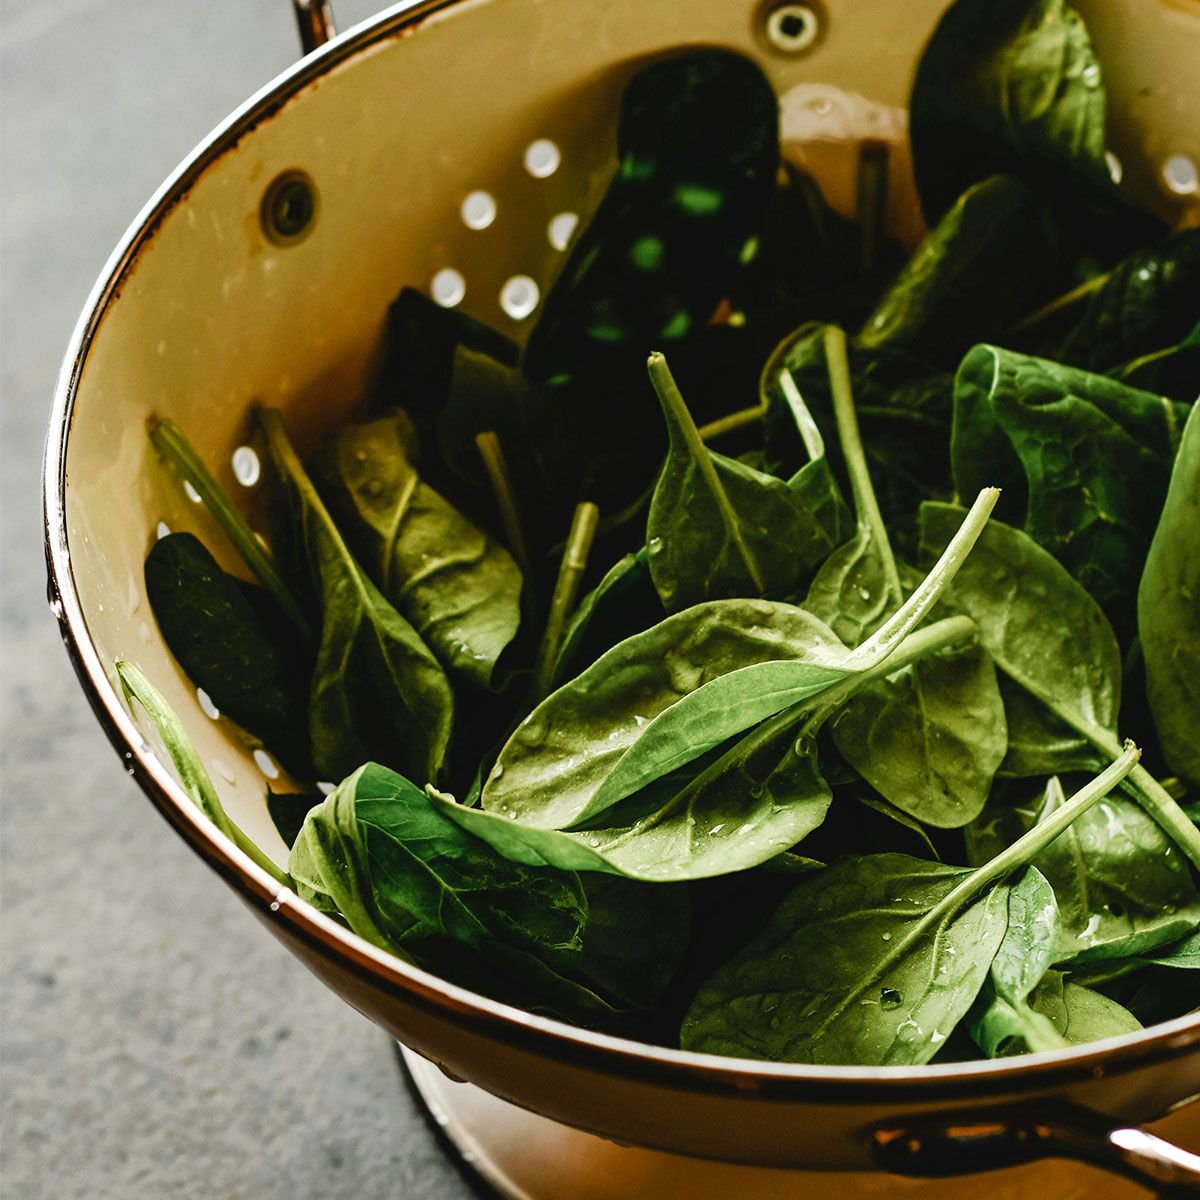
(455, 145)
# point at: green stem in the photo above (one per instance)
(570, 572)
(810, 434)
(494, 462)
(169, 440)
(679, 418)
(866, 506)
(1066, 300)
(192, 775)
(914, 610)
(732, 422)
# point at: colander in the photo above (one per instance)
(453, 145)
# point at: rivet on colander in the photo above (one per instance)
(448, 287)
(792, 28)
(542, 158)
(478, 210)
(1180, 175)
(289, 208)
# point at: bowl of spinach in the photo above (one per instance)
(761, 672)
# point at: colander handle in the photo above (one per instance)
(963, 1143)
(315, 18)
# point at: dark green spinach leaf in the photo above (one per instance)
(456, 586)
(377, 691)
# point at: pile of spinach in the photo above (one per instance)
(790, 779)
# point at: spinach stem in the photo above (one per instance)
(734, 421)
(496, 466)
(810, 434)
(866, 506)
(566, 586)
(680, 421)
(171, 442)
(1066, 300)
(914, 610)
(192, 776)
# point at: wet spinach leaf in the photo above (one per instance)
(227, 639)
(1080, 1014)
(454, 584)
(377, 691)
(1084, 462)
(1168, 610)
(1039, 742)
(1001, 1021)
(873, 960)
(717, 528)
(1014, 86)
(983, 264)
(1150, 301)
(1123, 888)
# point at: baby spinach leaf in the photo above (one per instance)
(1184, 954)
(929, 738)
(697, 153)
(1049, 635)
(1149, 301)
(1001, 1021)
(458, 587)
(1079, 1014)
(1039, 742)
(1014, 86)
(428, 885)
(717, 528)
(863, 963)
(250, 668)
(1123, 888)
(873, 960)
(376, 689)
(982, 264)
(551, 771)
(1084, 462)
(288, 810)
(1168, 609)
(623, 603)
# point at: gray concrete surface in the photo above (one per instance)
(156, 1042)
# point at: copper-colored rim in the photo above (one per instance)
(612, 1056)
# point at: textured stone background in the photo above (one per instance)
(156, 1043)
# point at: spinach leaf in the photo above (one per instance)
(228, 641)
(288, 810)
(1173, 372)
(982, 264)
(1001, 1021)
(697, 153)
(929, 738)
(1184, 954)
(1049, 636)
(873, 960)
(419, 347)
(717, 528)
(1079, 1014)
(1039, 742)
(1123, 889)
(193, 778)
(1149, 301)
(1014, 86)
(1168, 609)
(376, 689)
(662, 698)
(458, 587)
(623, 603)
(1084, 462)
(425, 885)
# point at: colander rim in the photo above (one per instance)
(597, 1051)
